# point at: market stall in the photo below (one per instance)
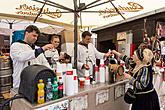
(99, 97)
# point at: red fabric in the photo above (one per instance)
(132, 48)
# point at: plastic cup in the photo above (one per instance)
(82, 82)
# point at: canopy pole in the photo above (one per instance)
(75, 39)
(75, 33)
(11, 27)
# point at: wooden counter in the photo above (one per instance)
(93, 97)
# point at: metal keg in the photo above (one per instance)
(5, 75)
(5, 63)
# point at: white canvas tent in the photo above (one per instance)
(95, 16)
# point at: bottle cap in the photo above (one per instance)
(49, 79)
(40, 81)
(75, 77)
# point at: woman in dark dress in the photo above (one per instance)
(141, 80)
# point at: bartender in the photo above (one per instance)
(53, 55)
(24, 53)
(87, 54)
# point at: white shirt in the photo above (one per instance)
(83, 53)
(21, 54)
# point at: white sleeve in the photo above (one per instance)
(98, 54)
(18, 52)
(79, 63)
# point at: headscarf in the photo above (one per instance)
(145, 56)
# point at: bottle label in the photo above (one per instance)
(87, 78)
(101, 65)
(60, 87)
(69, 73)
(41, 98)
(96, 69)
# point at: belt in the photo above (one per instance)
(145, 92)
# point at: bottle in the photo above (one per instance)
(69, 81)
(106, 73)
(96, 74)
(49, 93)
(75, 80)
(40, 92)
(102, 71)
(87, 77)
(64, 69)
(59, 71)
(60, 88)
(75, 85)
(55, 89)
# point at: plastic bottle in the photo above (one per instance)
(75, 85)
(106, 73)
(64, 69)
(97, 74)
(69, 81)
(60, 88)
(75, 80)
(55, 89)
(59, 71)
(87, 77)
(49, 93)
(40, 92)
(102, 71)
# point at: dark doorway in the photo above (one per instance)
(106, 45)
